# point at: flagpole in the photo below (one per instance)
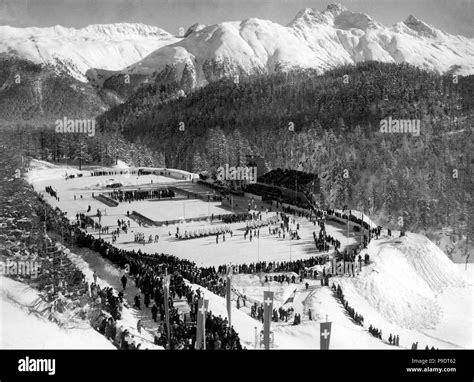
(347, 242)
(324, 236)
(200, 308)
(203, 322)
(229, 295)
(167, 317)
(258, 248)
(256, 337)
(267, 317)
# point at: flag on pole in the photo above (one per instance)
(206, 307)
(201, 324)
(325, 336)
(166, 288)
(228, 294)
(199, 321)
(291, 299)
(268, 310)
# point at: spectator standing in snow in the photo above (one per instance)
(124, 281)
(137, 302)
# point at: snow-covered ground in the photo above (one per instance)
(411, 288)
(129, 317)
(344, 333)
(204, 251)
(76, 194)
(20, 328)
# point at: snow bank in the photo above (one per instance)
(44, 170)
(20, 328)
(344, 333)
(129, 319)
(121, 165)
(404, 280)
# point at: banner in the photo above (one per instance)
(228, 295)
(201, 324)
(166, 288)
(268, 311)
(325, 336)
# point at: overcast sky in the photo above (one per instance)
(453, 16)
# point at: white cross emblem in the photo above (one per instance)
(325, 334)
(268, 301)
(203, 310)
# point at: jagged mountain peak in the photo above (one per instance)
(194, 28)
(310, 16)
(420, 27)
(349, 20)
(314, 39)
(334, 15)
(335, 8)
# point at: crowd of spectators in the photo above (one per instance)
(137, 195)
(148, 272)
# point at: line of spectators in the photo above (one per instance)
(148, 272)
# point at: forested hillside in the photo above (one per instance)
(36, 94)
(336, 118)
(102, 149)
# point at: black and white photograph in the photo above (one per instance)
(237, 175)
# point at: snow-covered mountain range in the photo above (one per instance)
(76, 51)
(313, 39)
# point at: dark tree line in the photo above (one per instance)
(103, 149)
